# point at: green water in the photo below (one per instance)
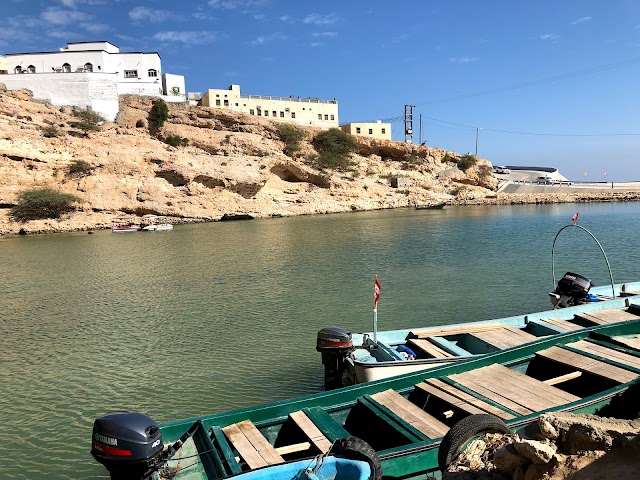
(212, 317)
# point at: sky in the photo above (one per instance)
(545, 83)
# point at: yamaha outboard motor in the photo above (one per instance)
(335, 345)
(572, 289)
(127, 444)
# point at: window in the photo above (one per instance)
(88, 67)
(152, 72)
(275, 114)
(384, 130)
(266, 113)
(252, 111)
(218, 102)
(129, 73)
(281, 114)
(237, 105)
(31, 69)
(18, 69)
(371, 131)
(217, 94)
(326, 117)
(319, 116)
(357, 129)
(66, 68)
(293, 114)
(226, 102)
(333, 117)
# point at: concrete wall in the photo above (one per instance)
(369, 129)
(302, 111)
(173, 85)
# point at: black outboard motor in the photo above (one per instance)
(572, 289)
(127, 444)
(335, 344)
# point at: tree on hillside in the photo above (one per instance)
(42, 203)
(159, 113)
(291, 136)
(334, 148)
(88, 120)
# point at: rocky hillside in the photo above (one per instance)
(233, 165)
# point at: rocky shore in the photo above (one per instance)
(231, 165)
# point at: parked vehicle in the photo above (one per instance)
(545, 180)
(502, 170)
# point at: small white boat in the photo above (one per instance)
(126, 223)
(155, 223)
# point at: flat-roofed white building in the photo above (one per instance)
(375, 129)
(91, 74)
(302, 111)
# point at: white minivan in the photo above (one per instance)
(546, 180)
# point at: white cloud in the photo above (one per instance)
(581, 20)
(318, 19)
(95, 27)
(236, 4)
(188, 38)
(202, 16)
(75, 3)
(22, 21)
(139, 14)
(548, 37)
(325, 34)
(400, 38)
(62, 34)
(58, 16)
(461, 60)
(262, 39)
(317, 44)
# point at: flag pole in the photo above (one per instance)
(375, 325)
(376, 297)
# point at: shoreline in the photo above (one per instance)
(86, 222)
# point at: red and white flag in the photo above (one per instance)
(376, 292)
(574, 219)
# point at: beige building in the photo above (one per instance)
(3, 65)
(303, 111)
(376, 129)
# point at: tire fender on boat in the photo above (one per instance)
(355, 448)
(463, 431)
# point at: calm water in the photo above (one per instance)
(218, 316)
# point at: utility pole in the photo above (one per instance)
(408, 123)
(420, 129)
(477, 140)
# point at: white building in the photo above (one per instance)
(302, 111)
(375, 129)
(91, 74)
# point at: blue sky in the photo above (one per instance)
(551, 83)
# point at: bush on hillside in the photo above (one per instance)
(160, 112)
(79, 168)
(291, 136)
(51, 131)
(88, 120)
(448, 158)
(42, 203)
(466, 162)
(176, 141)
(334, 148)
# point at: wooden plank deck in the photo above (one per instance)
(452, 330)
(560, 324)
(251, 445)
(586, 364)
(515, 391)
(605, 352)
(313, 433)
(633, 342)
(460, 399)
(411, 413)
(428, 348)
(506, 337)
(605, 317)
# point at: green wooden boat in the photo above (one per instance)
(403, 419)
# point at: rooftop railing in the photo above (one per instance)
(290, 99)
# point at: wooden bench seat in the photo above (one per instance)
(559, 324)
(587, 364)
(605, 317)
(313, 433)
(605, 352)
(251, 445)
(452, 330)
(458, 398)
(428, 348)
(411, 413)
(513, 390)
(506, 337)
(633, 342)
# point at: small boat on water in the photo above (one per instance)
(430, 206)
(403, 420)
(155, 223)
(126, 223)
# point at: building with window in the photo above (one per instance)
(375, 129)
(91, 74)
(312, 112)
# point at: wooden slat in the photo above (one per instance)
(429, 348)
(460, 399)
(515, 391)
(562, 378)
(605, 317)
(312, 432)
(251, 445)
(452, 330)
(411, 413)
(505, 337)
(605, 352)
(560, 324)
(586, 364)
(633, 342)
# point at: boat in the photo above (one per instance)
(404, 420)
(155, 223)
(430, 206)
(126, 223)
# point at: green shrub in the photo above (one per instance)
(334, 148)
(291, 136)
(466, 162)
(88, 120)
(79, 168)
(51, 131)
(160, 112)
(448, 158)
(176, 141)
(42, 203)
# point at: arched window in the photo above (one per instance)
(152, 72)
(88, 67)
(66, 67)
(18, 69)
(31, 69)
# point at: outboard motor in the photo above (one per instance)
(128, 444)
(335, 344)
(572, 289)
